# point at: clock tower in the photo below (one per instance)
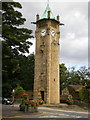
(46, 77)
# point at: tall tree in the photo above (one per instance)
(74, 78)
(15, 42)
(27, 72)
(63, 76)
(71, 76)
(83, 74)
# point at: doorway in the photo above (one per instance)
(42, 95)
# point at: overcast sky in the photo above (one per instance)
(74, 35)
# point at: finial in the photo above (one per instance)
(48, 14)
(37, 17)
(58, 17)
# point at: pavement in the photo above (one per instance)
(68, 107)
(63, 107)
(9, 111)
(45, 111)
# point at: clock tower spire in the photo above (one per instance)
(48, 2)
(46, 77)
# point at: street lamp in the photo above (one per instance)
(13, 91)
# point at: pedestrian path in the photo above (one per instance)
(57, 113)
(58, 109)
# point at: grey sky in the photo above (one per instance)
(74, 35)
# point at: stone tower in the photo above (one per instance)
(46, 78)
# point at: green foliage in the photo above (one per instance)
(14, 43)
(82, 74)
(6, 90)
(72, 102)
(74, 78)
(63, 72)
(19, 91)
(70, 76)
(22, 107)
(27, 72)
(25, 96)
(63, 75)
(84, 95)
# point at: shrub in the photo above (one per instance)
(19, 91)
(26, 104)
(24, 96)
(72, 102)
(84, 95)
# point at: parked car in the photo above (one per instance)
(6, 101)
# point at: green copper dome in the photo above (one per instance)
(45, 14)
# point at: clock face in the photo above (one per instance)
(43, 32)
(53, 33)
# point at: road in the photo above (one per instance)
(44, 112)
